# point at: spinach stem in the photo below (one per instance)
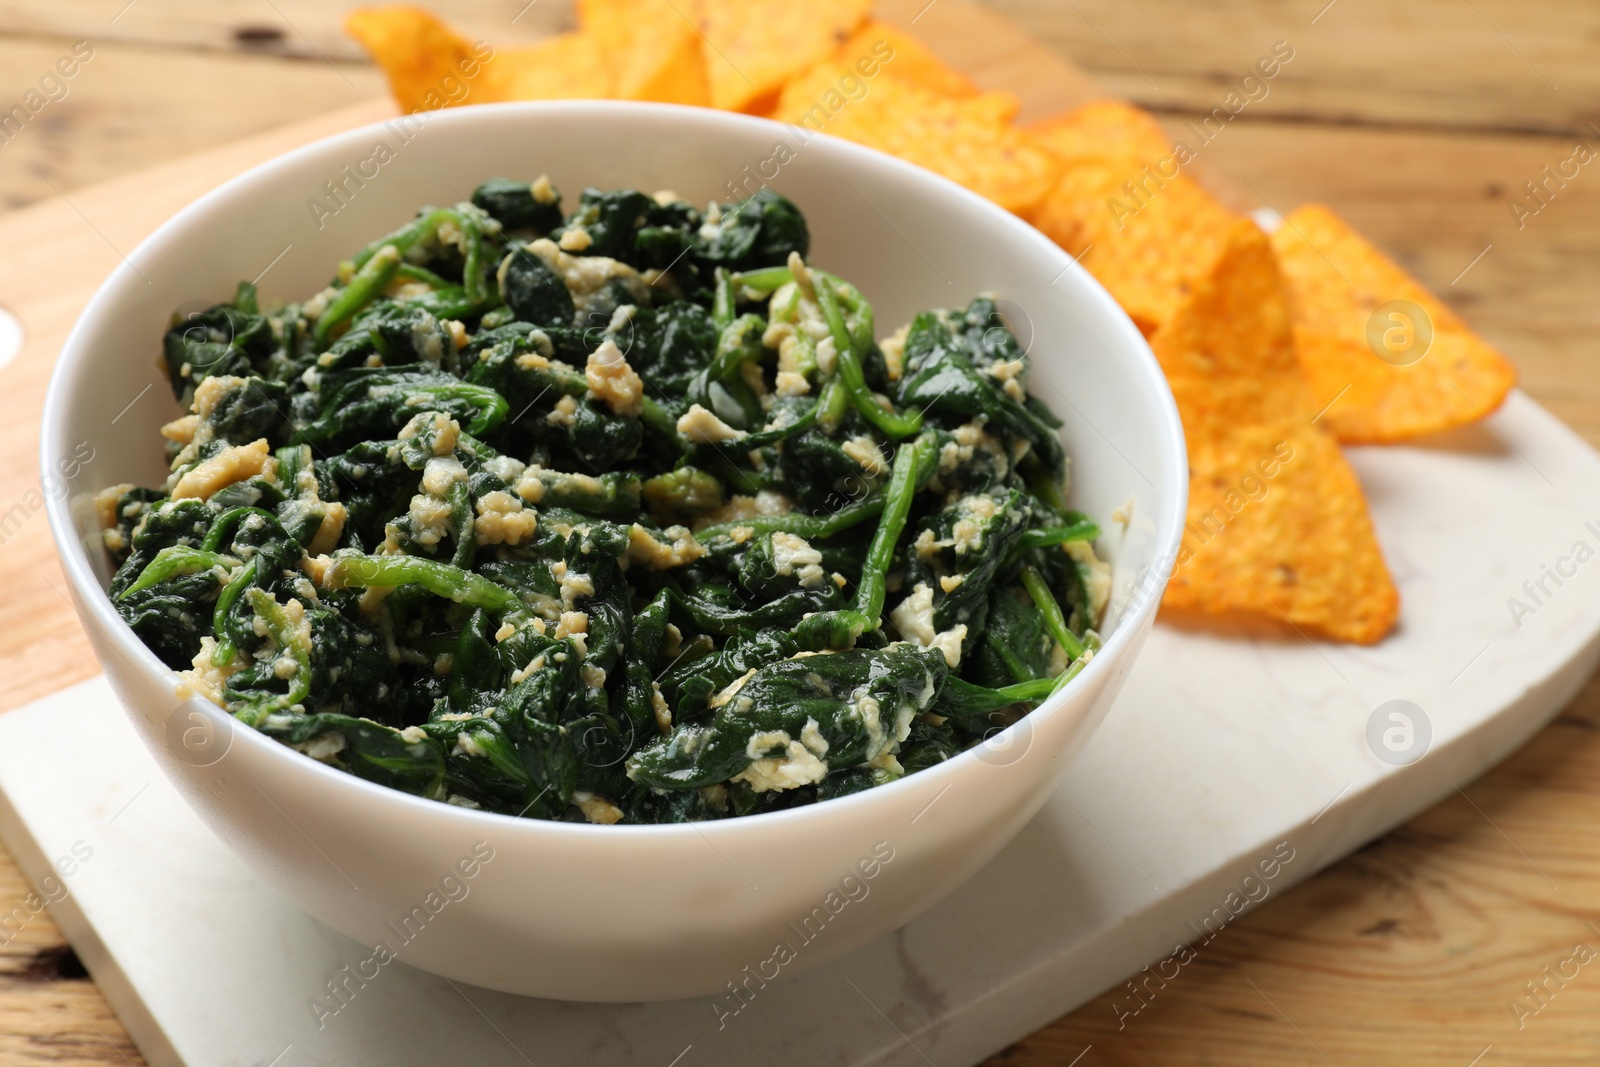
(832, 405)
(460, 499)
(656, 417)
(1081, 530)
(472, 280)
(734, 349)
(1008, 656)
(368, 283)
(765, 280)
(415, 273)
(225, 523)
(849, 365)
(1054, 621)
(174, 561)
(406, 237)
(862, 333)
(1091, 645)
(893, 423)
(722, 302)
(440, 579)
(1032, 691)
(1085, 530)
(912, 464)
(491, 406)
(970, 703)
(222, 654)
(292, 459)
(294, 642)
(800, 524)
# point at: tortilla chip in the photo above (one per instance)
(997, 108)
(655, 50)
(428, 65)
(1277, 524)
(572, 66)
(1373, 364)
(752, 49)
(968, 140)
(1103, 129)
(1146, 231)
(878, 45)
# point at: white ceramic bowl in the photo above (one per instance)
(592, 912)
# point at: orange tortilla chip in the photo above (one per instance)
(1102, 129)
(1362, 329)
(572, 66)
(878, 45)
(1277, 524)
(968, 140)
(997, 108)
(1147, 232)
(752, 49)
(655, 49)
(428, 65)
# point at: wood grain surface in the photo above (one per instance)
(1418, 121)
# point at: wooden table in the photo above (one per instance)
(1417, 121)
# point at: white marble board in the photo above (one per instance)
(1221, 753)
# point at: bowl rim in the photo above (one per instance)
(96, 610)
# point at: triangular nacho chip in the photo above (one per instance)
(970, 141)
(1103, 128)
(428, 64)
(1388, 358)
(752, 49)
(906, 58)
(1277, 524)
(653, 47)
(1146, 231)
(572, 66)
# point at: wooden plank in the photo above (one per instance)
(1492, 64)
(1489, 64)
(128, 108)
(50, 1012)
(296, 29)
